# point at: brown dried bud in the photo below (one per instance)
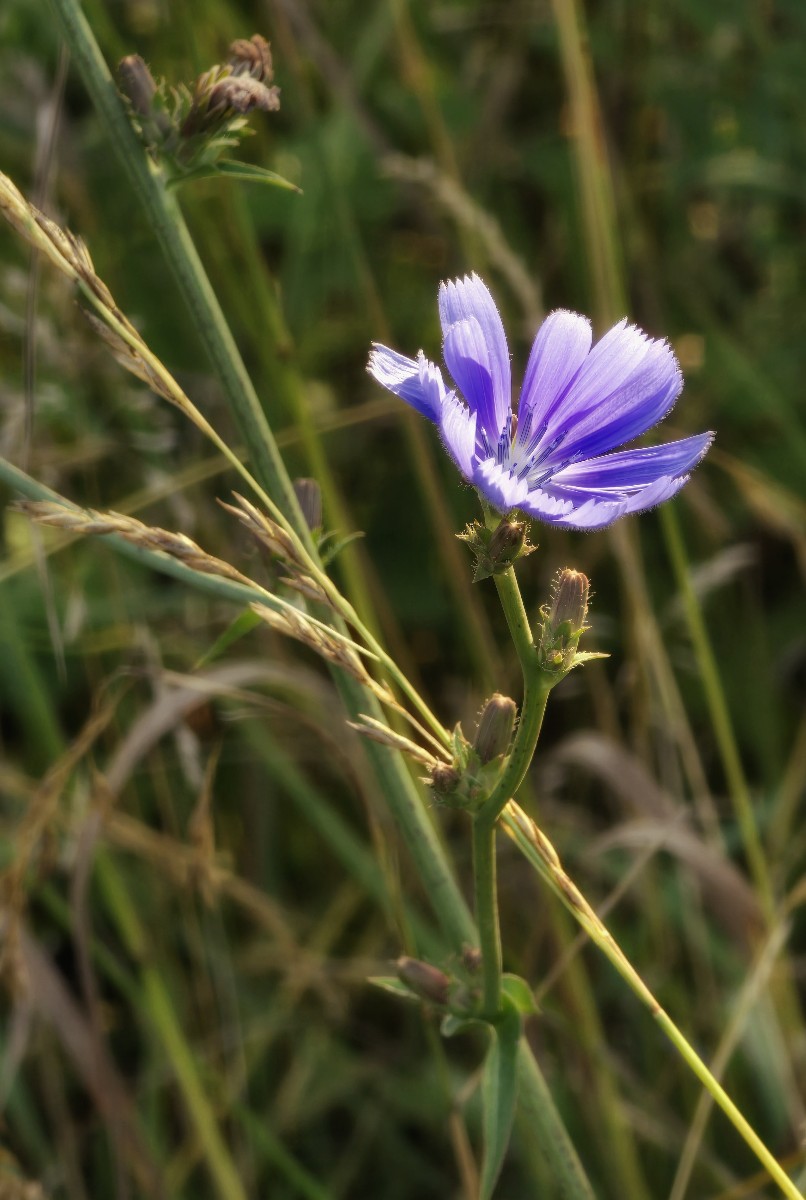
(496, 724)
(252, 57)
(444, 779)
(471, 957)
(309, 495)
(136, 83)
(428, 982)
(242, 94)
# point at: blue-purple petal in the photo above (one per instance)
(417, 381)
(465, 353)
(626, 385)
(579, 508)
(469, 299)
(630, 469)
(502, 490)
(562, 344)
(458, 428)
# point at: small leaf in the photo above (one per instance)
(585, 656)
(250, 173)
(518, 991)
(499, 1087)
(390, 983)
(453, 1024)
(244, 623)
(336, 547)
(229, 167)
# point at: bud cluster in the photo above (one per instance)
(495, 550)
(467, 781)
(188, 128)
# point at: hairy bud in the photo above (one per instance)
(507, 543)
(495, 550)
(427, 982)
(564, 621)
(496, 723)
(136, 83)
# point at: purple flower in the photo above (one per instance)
(578, 403)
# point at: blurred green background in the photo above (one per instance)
(640, 159)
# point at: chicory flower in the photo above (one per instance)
(578, 403)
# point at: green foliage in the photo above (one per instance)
(213, 972)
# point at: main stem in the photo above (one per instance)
(536, 687)
(537, 684)
(486, 896)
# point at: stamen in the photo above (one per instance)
(502, 450)
(532, 461)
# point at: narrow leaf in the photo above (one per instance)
(390, 983)
(250, 173)
(244, 623)
(498, 1093)
(230, 167)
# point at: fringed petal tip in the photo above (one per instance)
(417, 381)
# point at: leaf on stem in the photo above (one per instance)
(499, 1087)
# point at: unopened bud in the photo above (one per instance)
(507, 542)
(309, 496)
(569, 605)
(427, 982)
(564, 620)
(496, 724)
(496, 550)
(136, 83)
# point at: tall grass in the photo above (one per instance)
(214, 872)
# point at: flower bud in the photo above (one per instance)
(136, 83)
(309, 497)
(496, 724)
(507, 543)
(427, 982)
(495, 550)
(564, 621)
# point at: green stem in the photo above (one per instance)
(535, 696)
(536, 687)
(486, 895)
(520, 631)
